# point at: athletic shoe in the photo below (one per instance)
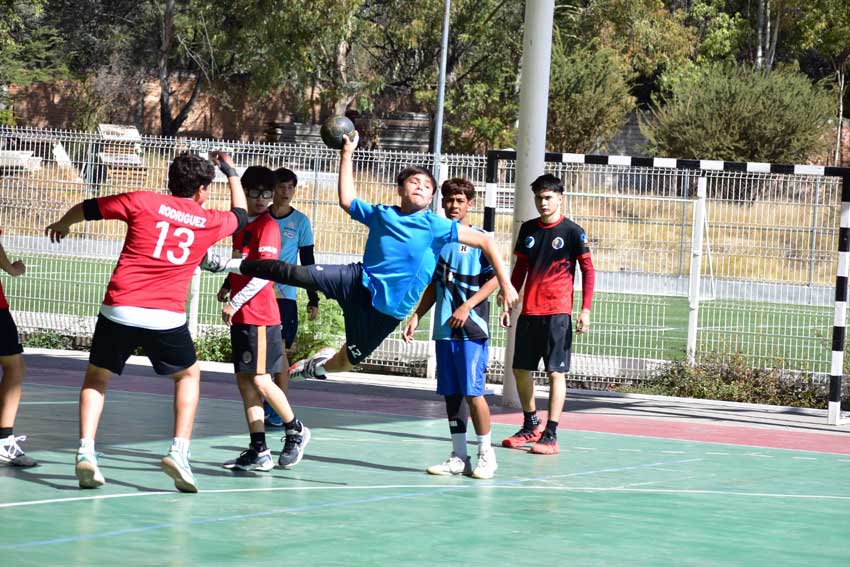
(212, 262)
(272, 419)
(548, 445)
(294, 443)
(523, 436)
(251, 460)
(454, 465)
(176, 465)
(486, 466)
(88, 473)
(306, 368)
(12, 454)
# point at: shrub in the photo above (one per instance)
(733, 379)
(738, 113)
(47, 338)
(326, 330)
(589, 98)
(214, 345)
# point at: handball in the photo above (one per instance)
(333, 130)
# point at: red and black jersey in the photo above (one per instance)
(548, 255)
(259, 240)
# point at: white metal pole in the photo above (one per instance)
(441, 97)
(696, 268)
(531, 139)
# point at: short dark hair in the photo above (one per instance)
(258, 177)
(547, 182)
(407, 172)
(189, 172)
(457, 185)
(285, 175)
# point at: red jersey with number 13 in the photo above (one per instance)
(167, 237)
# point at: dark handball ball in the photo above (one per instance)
(334, 128)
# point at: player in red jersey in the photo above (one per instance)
(167, 237)
(547, 251)
(13, 375)
(252, 314)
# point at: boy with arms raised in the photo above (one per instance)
(462, 283)
(547, 251)
(167, 237)
(401, 253)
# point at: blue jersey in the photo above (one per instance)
(295, 232)
(401, 253)
(461, 271)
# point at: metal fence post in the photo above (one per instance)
(696, 269)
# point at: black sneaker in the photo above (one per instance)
(251, 460)
(294, 443)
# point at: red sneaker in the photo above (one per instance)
(523, 436)
(547, 445)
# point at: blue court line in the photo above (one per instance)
(313, 507)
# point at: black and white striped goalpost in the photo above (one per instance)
(839, 330)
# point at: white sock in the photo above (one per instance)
(459, 444)
(233, 265)
(484, 441)
(180, 444)
(87, 445)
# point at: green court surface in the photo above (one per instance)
(360, 496)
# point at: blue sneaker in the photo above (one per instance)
(272, 419)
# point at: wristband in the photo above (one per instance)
(227, 169)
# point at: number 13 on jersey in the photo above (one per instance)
(184, 238)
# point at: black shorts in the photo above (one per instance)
(10, 341)
(169, 350)
(543, 336)
(257, 349)
(365, 327)
(288, 320)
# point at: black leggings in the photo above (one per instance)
(280, 272)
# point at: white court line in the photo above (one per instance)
(631, 450)
(713, 453)
(674, 452)
(805, 458)
(759, 455)
(682, 491)
(586, 448)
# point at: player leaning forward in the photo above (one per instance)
(401, 254)
(167, 236)
(547, 251)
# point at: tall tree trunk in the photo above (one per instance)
(772, 39)
(759, 33)
(842, 77)
(169, 124)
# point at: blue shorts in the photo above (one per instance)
(288, 309)
(461, 367)
(365, 327)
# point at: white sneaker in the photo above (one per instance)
(486, 466)
(454, 465)
(176, 465)
(12, 454)
(88, 473)
(308, 367)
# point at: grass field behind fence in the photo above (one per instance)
(623, 325)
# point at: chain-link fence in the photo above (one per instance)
(767, 274)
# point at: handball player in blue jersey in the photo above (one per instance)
(462, 283)
(401, 254)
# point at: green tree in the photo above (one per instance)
(30, 50)
(589, 98)
(738, 113)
